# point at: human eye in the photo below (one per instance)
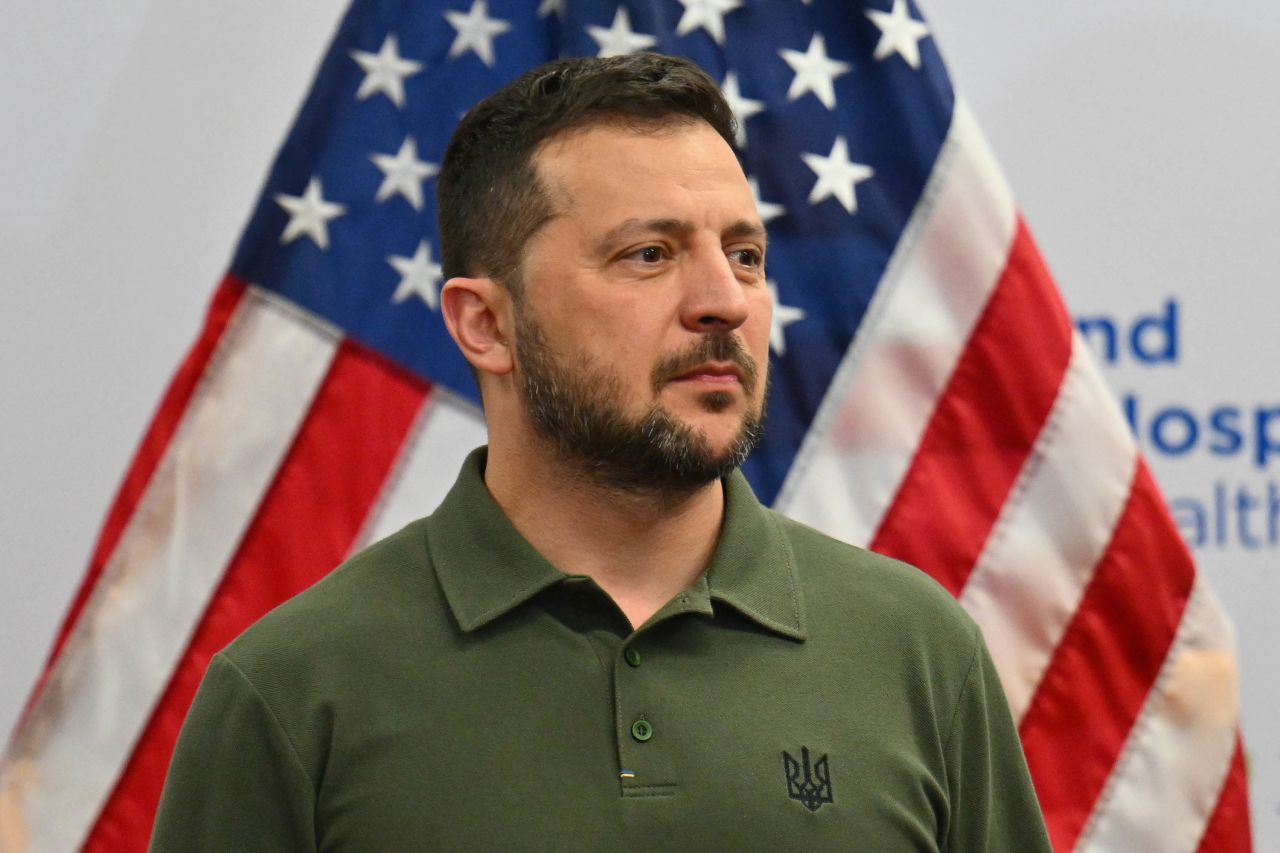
(748, 257)
(648, 255)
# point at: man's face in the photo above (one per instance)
(643, 326)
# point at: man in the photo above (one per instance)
(601, 640)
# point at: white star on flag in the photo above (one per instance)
(743, 108)
(309, 214)
(899, 33)
(783, 316)
(476, 31)
(815, 72)
(385, 71)
(837, 176)
(549, 7)
(767, 209)
(619, 39)
(403, 173)
(418, 276)
(708, 14)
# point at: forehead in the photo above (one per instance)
(606, 171)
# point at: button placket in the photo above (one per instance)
(644, 756)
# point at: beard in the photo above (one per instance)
(580, 414)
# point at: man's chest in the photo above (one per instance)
(653, 744)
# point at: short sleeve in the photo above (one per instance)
(235, 781)
(993, 803)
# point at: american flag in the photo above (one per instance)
(929, 400)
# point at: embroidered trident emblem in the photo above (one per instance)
(808, 783)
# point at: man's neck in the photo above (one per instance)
(641, 549)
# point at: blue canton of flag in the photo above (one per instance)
(841, 116)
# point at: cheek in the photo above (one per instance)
(619, 347)
(633, 332)
(757, 328)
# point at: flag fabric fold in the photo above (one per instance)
(929, 400)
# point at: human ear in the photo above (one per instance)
(477, 313)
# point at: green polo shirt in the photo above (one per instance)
(449, 689)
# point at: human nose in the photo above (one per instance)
(713, 296)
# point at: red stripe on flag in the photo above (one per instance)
(1228, 829)
(151, 449)
(985, 424)
(306, 525)
(1107, 661)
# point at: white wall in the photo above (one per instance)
(134, 140)
(1138, 136)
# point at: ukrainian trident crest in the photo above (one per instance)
(809, 782)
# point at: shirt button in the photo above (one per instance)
(631, 655)
(641, 730)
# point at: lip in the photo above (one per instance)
(712, 373)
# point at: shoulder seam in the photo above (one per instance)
(271, 715)
(964, 686)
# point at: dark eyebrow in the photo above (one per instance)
(676, 228)
(629, 227)
(745, 228)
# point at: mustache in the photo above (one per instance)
(712, 347)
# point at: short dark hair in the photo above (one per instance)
(489, 198)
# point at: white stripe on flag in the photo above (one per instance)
(1167, 780)
(944, 269)
(447, 429)
(1053, 530)
(154, 588)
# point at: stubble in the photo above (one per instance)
(580, 413)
